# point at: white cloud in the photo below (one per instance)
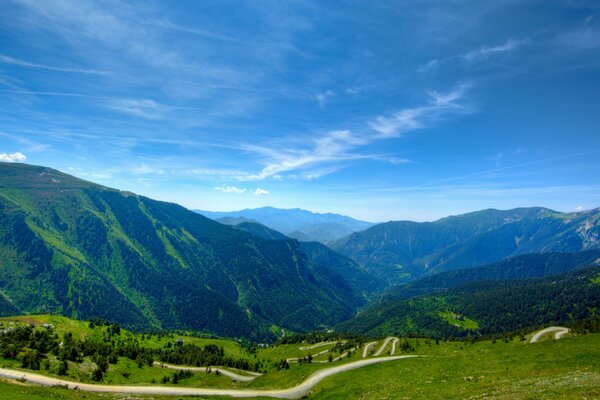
(485, 51)
(261, 192)
(230, 189)
(579, 208)
(323, 97)
(14, 157)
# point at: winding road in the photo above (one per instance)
(367, 348)
(291, 393)
(383, 346)
(231, 374)
(559, 331)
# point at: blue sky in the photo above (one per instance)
(379, 110)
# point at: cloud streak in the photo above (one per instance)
(14, 61)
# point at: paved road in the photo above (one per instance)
(559, 332)
(231, 374)
(367, 348)
(290, 393)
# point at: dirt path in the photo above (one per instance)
(394, 343)
(559, 332)
(290, 393)
(367, 348)
(231, 374)
(383, 346)
(314, 346)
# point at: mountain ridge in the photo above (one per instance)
(72, 247)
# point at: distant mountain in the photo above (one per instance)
(234, 221)
(404, 250)
(72, 247)
(320, 254)
(301, 224)
(485, 307)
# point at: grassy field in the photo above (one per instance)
(514, 369)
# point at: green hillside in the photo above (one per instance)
(485, 307)
(71, 247)
(512, 368)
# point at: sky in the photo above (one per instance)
(381, 110)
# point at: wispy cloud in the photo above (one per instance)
(261, 192)
(584, 38)
(323, 97)
(145, 108)
(487, 51)
(331, 151)
(13, 157)
(480, 54)
(420, 117)
(145, 169)
(14, 61)
(332, 147)
(230, 189)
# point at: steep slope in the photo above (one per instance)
(322, 227)
(488, 307)
(321, 256)
(537, 265)
(72, 247)
(404, 250)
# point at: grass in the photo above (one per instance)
(458, 320)
(566, 368)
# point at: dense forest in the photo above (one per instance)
(485, 308)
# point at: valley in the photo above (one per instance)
(158, 300)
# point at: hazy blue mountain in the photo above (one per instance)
(83, 250)
(234, 221)
(321, 227)
(404, 250)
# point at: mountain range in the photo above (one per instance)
(72, 247)
(295, 223)
(404, 250)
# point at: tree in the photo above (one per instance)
(63, 368)
(97, 375)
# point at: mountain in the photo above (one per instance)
(298, 223)
(536, 265)
(404, 250)
(486, 307)
(320, 254)
(71, 247)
